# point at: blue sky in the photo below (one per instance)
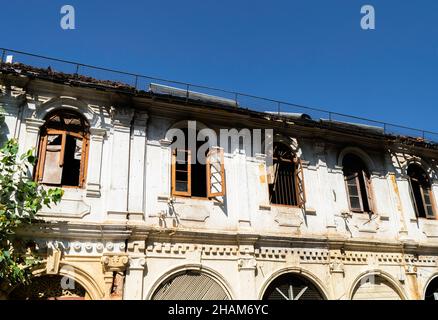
(307, 52)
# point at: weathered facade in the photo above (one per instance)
(122, 233)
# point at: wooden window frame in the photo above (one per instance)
(188, 193)
(299, 189)
(415, 204)
(368, 191)
(359, 191)
(210, 194)
(43, 149)
(425, 185)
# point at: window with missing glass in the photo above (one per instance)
(194, 178)
(286, 178)
(358, 184)
(63, 150)
(421, 192)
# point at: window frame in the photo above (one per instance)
(298, 180)
(42, 149)
(188, 193)
(361, 172)
(422, 189)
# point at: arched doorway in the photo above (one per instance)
(50, 287)
(432, 290)
(291, 286)
(374, 287)
(190, 285)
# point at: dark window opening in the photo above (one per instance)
(421, 192)
(286, 185)
(72, 162)
(357, 181)
(195, 178)
(432, 290)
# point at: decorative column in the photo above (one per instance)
(412, 282)
(338, 280)
(325, 186)
(135, 273)
(137, 167)
(97, 136)
(247, 265)
(32, 133)
(118, 193)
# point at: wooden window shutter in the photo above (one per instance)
(50, 169)
(426, 194)
(411, 192)
(353, 192)
(368, 189)
(215, 173)
(300, 190)
(181, 173)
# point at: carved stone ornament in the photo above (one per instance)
(114, 262)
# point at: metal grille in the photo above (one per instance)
(292, 287)
(190, 285)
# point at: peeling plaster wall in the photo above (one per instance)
(128, 193)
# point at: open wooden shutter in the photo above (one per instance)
(52, 160)
(411, 192)
(299, 183)
(353, 192)
(181, 173)
(367, 182)
(215, 173)
(427, 201)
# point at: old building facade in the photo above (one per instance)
(342, 212)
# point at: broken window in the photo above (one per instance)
(358, 184)
(63, 150)
(421, 192)
(191, 178)
(286, 185)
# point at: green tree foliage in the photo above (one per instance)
(21, 199)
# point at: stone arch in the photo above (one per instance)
(432, 279)
(68, 103)
(82, 277)
(85, 279)
(369, 163)
(423, 164)
(393, 284)
(175, 271)
(309, 276)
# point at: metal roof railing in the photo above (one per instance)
(143, 82)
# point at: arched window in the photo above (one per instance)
(358, 185)
(421, 192)
(286, 185)
(291, 286)
(63, 150)
(198, 178)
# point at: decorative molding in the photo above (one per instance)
(247, 264)
(117, 215)
(53, 259)
(33, 125)
(137, 263)
(114, 262)
(336, 267)
(289, 220)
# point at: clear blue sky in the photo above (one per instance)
(307, 52)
